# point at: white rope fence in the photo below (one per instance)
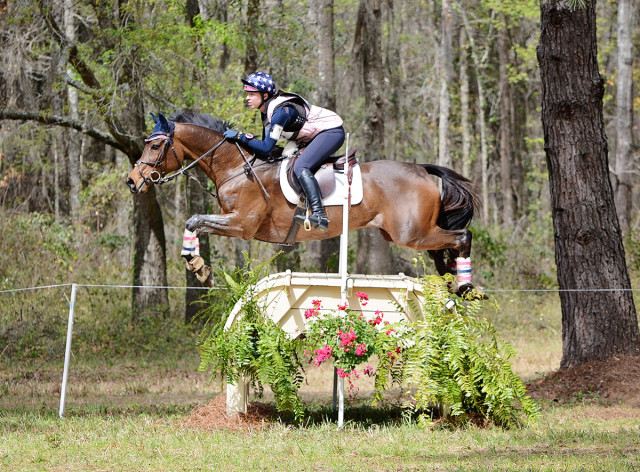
(74, 289)
(72, 303)
(171, 287)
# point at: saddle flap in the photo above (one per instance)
(324, 176)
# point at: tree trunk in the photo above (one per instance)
(464, 106)
(250, 66)
(326, 64)
(150, 258)
(598, 313)
(506, 155)
(73, 138)
(482, 124)
(324, 249)
(445, 66)
(374, 253)
(196, 204)
(623, 178)
(251, 46)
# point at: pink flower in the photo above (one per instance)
(346, 339)
(390, 330)
(368, 371)
(378, 318)
(342, 307)
(361, 349)
(363, 297)
(342, 373)
(310, 313)
(316, 304)
(322, 355)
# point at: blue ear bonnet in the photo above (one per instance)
(163, 126)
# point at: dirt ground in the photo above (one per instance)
(614, 381)
(611, 382)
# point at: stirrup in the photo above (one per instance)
(321, 223)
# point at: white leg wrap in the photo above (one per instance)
(463, 268)
(190, 244)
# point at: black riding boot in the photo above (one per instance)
(309, 184)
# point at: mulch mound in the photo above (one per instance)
(214, 416)
(615, 380)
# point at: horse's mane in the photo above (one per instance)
(201, 119)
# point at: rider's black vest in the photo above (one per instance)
(295, 101)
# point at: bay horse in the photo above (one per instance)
(400, 199)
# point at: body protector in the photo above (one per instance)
(310, 119)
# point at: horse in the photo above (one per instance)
(401, 199)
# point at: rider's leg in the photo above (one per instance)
(313, 156)
(318, 217)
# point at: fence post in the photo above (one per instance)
(67, 352)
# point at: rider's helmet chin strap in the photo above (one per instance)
(265, 101)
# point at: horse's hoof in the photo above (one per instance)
(469, 292)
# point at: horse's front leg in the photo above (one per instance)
(228, 224)
(223, 225)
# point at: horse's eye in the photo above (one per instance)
(155, 147)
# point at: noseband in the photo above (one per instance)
(157, 174)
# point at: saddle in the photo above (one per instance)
(324, 175)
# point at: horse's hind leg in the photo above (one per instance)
(462, 256)
(443, 266)
(456, 244)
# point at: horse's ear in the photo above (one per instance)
(155, 118)
(163, 120)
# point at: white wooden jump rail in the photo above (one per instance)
(286, 296)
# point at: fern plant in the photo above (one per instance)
(450, 357)
(254, 346)
(456, 359)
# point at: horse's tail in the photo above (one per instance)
(458, 200)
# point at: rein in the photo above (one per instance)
(158, 177)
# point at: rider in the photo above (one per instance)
(287, 115)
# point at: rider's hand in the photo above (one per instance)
(233, 135)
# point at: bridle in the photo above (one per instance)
(157, 175)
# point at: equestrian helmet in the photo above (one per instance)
(259, 82)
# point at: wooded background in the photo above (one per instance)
(455, 83)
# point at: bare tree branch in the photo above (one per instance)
(65, 122)
(79, 85)
(85, 72)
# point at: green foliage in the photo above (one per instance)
(450, 358)
(254, 347)
(456, 359)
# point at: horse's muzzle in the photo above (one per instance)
(132, 185)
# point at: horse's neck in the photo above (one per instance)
(219, 164)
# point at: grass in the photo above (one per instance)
(575, 438)
(128, 411)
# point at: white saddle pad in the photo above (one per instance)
(336, 197)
